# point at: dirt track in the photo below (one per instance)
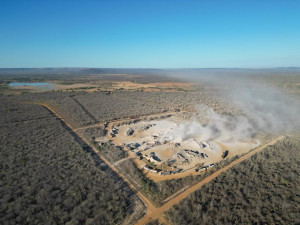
(157, 213)
(126, 119)
(153, 212)
(147, 203)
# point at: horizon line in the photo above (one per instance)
(157, 68)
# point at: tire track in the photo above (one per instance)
(85, 110)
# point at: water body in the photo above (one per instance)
(40, 85)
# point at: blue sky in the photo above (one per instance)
(150, 33)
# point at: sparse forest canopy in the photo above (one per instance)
(49, 176)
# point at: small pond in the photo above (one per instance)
(40, 85)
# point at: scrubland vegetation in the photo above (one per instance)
(91, 133)
(83, 109)
(115, 106)
(158, 192)
(112, 153)
(50, 176)
(261, 190)
(153, 223)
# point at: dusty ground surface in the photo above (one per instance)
(167, 86)
(149, 137)
(156, 213)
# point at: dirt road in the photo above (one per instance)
(147, 203)
(157, 212)
(112, 122)
(153, 212)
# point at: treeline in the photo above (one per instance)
(261, 190)
(48, 176)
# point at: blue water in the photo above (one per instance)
(40, 85)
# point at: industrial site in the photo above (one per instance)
(160, 148)
(112, 153)
(149, 112)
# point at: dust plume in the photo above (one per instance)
(264, 109)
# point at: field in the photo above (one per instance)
(135, 146)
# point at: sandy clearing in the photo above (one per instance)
(167, 151)
(153, 212)
(163, 85)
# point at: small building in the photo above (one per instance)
(177, 144)
(129, 132)
(138, 153)
(111, 135)
(132, 146)
(146, 127)
(164, 173)
(177, 171)
(155, 137)
(203, 155)
(225, 154)
(204, 168)
(152, 158)
(115, 130)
